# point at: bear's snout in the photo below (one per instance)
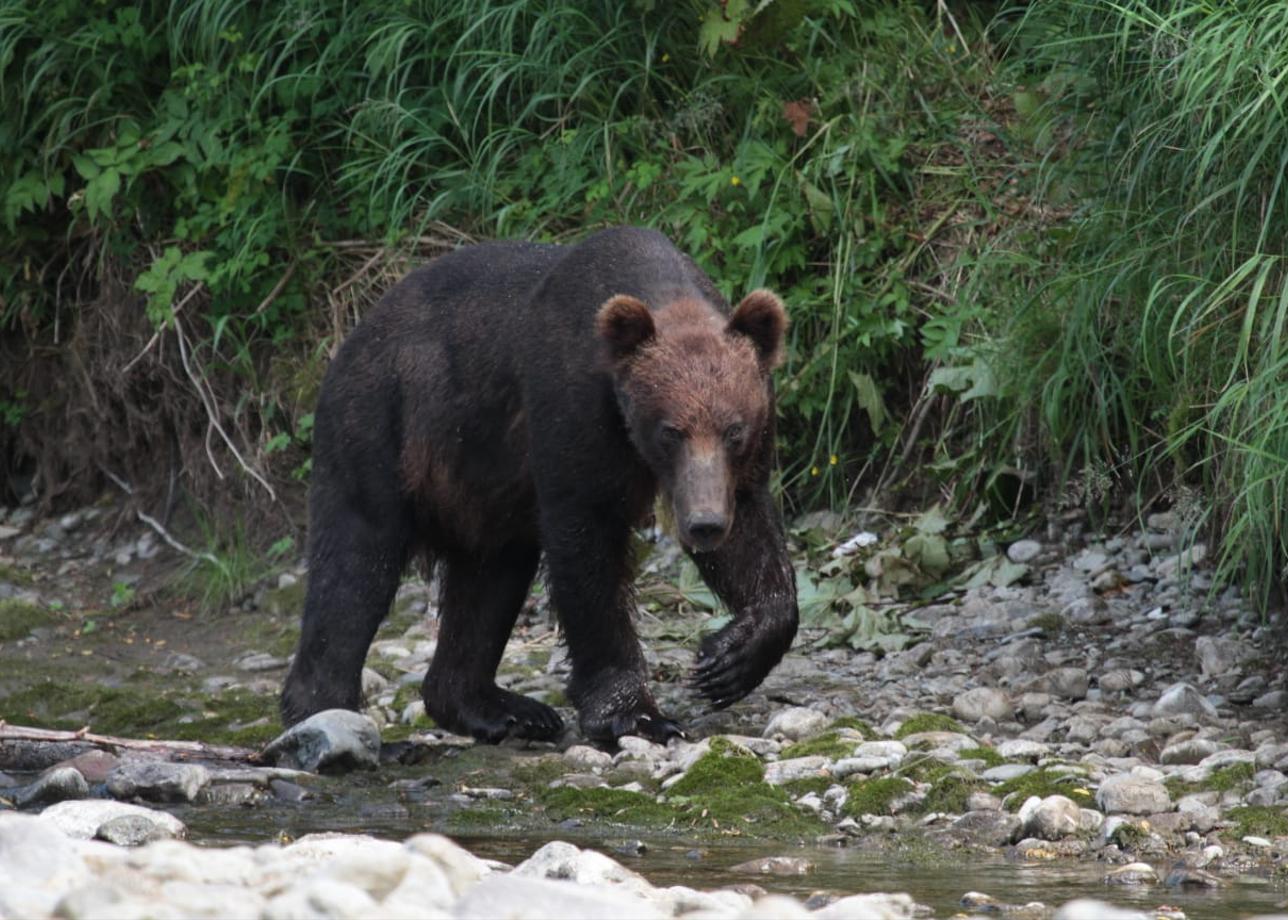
(703, 494)
(706, 530)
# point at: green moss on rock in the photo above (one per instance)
(829, 744)
(1260, 821)
(928, 722)
(854, 722)
(990, 757)
(875, 796)
(950, 791)
(1043, 783)
(619, 806)
(19, 618)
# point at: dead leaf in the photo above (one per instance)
(798, 113)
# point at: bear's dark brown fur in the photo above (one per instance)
(512, 400)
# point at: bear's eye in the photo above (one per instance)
(735, 435)
(669, 435)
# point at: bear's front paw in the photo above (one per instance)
(496, 714)
(734, 661)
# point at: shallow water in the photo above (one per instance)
(938, 880)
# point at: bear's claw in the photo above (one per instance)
(734, 661)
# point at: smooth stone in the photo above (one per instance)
(876, 906)
(980, 702)
(131, 831)
(83, 818)
(37, 863)
(991, 827)
(796, 723)
(1134, 795)
(57, 784)
(1090, 909)
(585, 759)
(1182, 698)
(1275, 700)
(1191, 751)
(157, 780)
(1022, 551)
(1219, 656)
(336, 740)
(1022, 749)
(1136, 873)
(1007, 771)
(774, 865)
(786, 771)
(1052, 818)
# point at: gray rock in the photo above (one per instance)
(1219, 759)
(517, 897)
(1089, 909)
(1136, 873)
(157, 780)
(848, 766)
(877, 906)
(131, 831)
(56, 784)
(796, 723)
(259, 661)
(37, 864)
(1022, 749)
(84, 818)
(335, 740)
(1022, 551)
(1070, 683)
(1133, 795)
(982, 801)
(1052, 818)
(1190, 751)
(991, 827)
(1183, 699)
(1120, 680)
(774, 865)
(585, 759)
(1275, 700)
(1219, 656)
(1181, 562)
(1007, 771)
(893, 751)
(979, 702)
(787, 771)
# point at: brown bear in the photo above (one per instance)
(512, 400)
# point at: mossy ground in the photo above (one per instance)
(19, 618)
(1260, 821)
(1043, 783)
(863, 728)
(829, 744)
(875, 796)
(16, 575)
(990, 757)
(724, 793)
(928, 722)
(1222, 779)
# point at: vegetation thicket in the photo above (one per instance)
(1033, 246)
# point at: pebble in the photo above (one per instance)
(85, 818)
(1022, 551)
(795, 768)
(1183, 699)
(775, 865)
(56, 784)
(157, 781)
(1052, 818)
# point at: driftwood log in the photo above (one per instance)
(25, 748)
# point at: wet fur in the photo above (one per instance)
(479, 417)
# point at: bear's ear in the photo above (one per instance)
(761, 318)
(625, 324)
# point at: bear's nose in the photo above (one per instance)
(706, 530)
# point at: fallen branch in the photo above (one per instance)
(212, 414)
(176, 750)
(156, 336)
(161, 531)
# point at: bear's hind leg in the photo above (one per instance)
(481, 598)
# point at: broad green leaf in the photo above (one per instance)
(932, 521)
(870, 400)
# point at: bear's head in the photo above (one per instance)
(694, 389)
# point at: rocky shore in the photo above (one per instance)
(1098, 704)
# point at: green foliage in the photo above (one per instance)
(1043, 783)
(1143, 349)
(218, 148)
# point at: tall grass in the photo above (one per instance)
(1154, 342)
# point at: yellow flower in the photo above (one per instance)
(813, 471)
(734, 180)
(665, 57)
(833, 460)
